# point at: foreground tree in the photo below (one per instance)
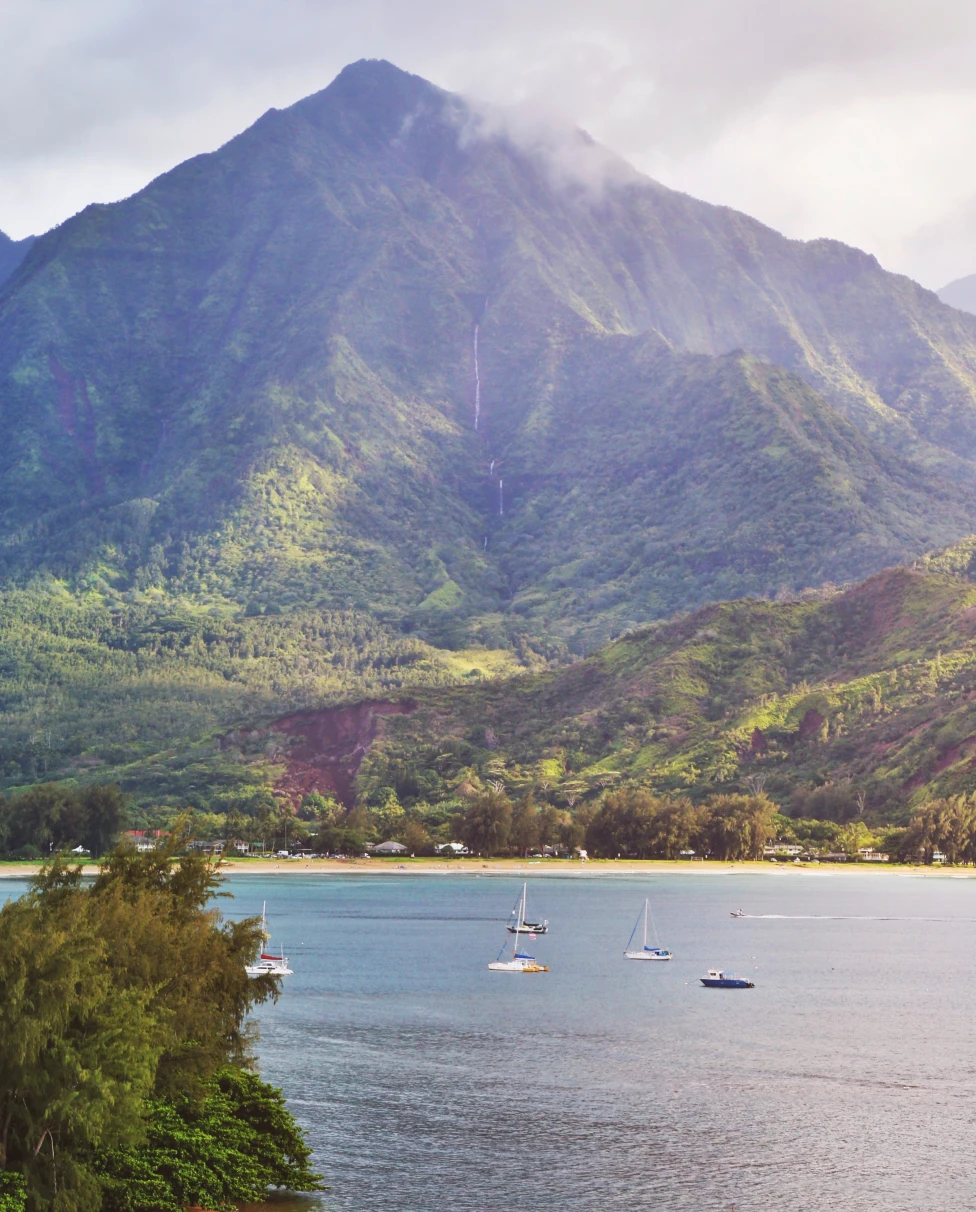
(117, 1001)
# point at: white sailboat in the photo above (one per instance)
(520, 925)
(268, 964)
(520, 962)
(646, 953)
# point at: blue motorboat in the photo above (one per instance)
(725, 980)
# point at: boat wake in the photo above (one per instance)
(846, 917)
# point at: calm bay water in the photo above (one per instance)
(844, 1080)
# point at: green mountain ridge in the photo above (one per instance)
(272, 346)
(378, 368)
(871, 691)
(12, 252)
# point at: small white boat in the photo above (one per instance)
(520, 962)
(268, 964)
(646, 952)
(738, 913)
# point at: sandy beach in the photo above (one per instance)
(533, 867)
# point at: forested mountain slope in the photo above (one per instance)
(871, 691)
(378, 367)
(256, 379)
(12, 252)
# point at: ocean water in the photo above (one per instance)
(844, 1080)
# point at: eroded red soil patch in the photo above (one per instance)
(328, 747)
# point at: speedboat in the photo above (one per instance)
(738, 913)
(717, 979)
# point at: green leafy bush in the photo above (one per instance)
(13, 1192)
(229, 1148)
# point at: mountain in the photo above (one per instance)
(261, 366)
(12, 252)
(866, 691)
(386, 366)
(961, 293)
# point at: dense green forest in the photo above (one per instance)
(841, 705)
(863, 698)
(138, 690)
(128, 1083)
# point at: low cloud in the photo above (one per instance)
(573, 158)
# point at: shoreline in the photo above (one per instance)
(536, 867)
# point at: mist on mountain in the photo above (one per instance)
(961, 293)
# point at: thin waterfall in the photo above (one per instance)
(501, 497)
(477, 382)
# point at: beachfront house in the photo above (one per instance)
(144, 839)
(782, 850)
(389, 848)
(216, 846)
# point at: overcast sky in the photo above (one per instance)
(844, 118)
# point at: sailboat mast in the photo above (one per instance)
(521, 921)
(646, 903)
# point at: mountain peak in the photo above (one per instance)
(377, 95)
(375, 73)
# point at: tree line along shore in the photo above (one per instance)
(624, 823)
